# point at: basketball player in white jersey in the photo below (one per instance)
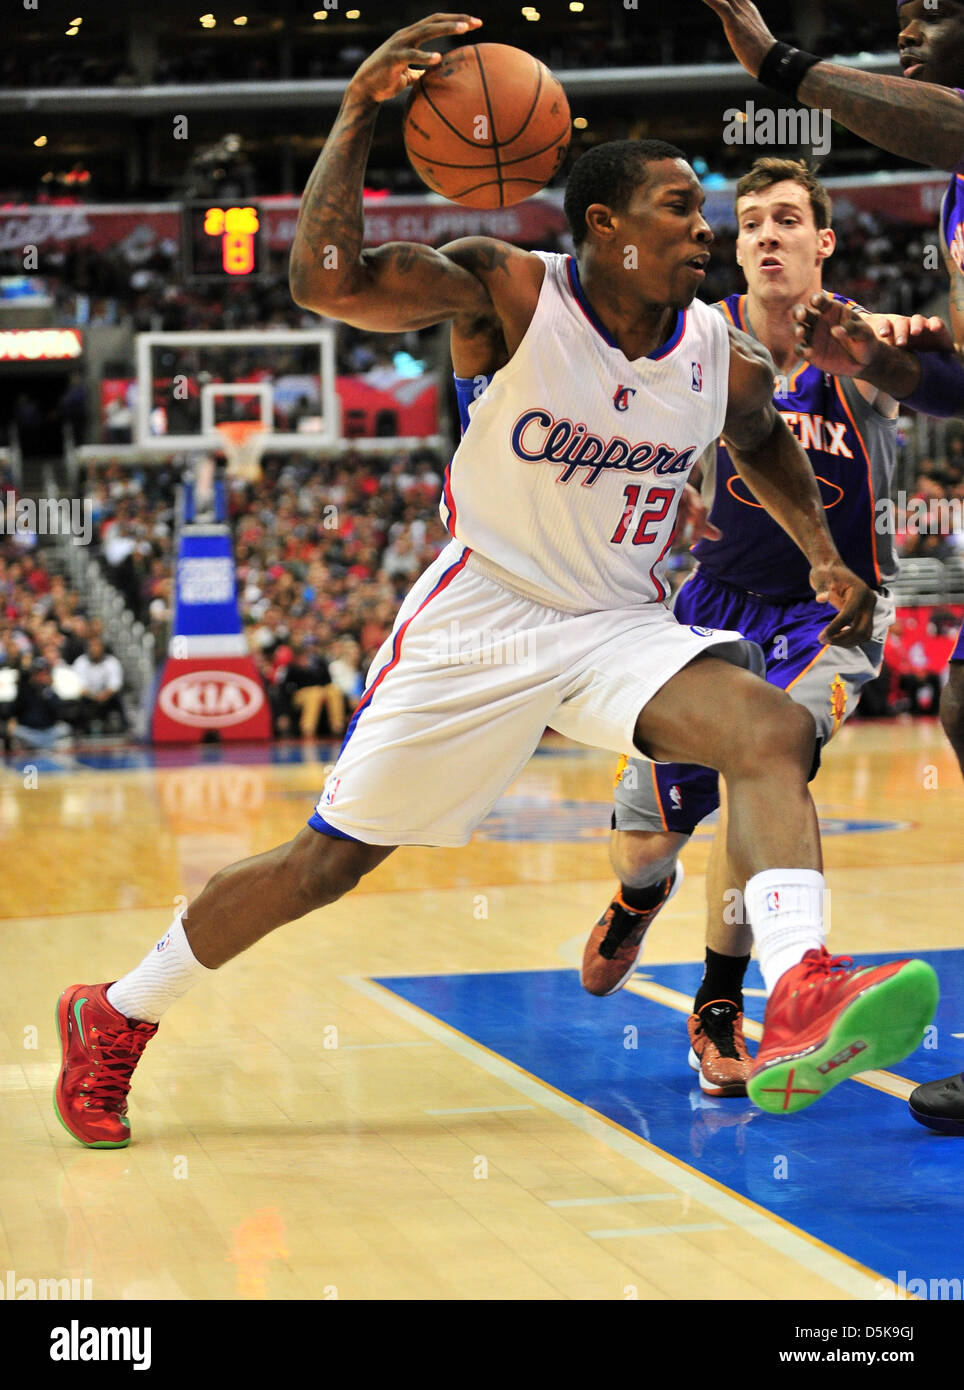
(600, 380)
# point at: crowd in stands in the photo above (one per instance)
(642, 39)
(57, 677)
(325, 550)
(940, 484)
(878, 262)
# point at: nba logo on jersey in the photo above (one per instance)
(773, 901)
(676, 796)
(331, 791)
(621, 398)
(163, 944)
(697, 376)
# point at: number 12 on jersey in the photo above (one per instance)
(656, 506)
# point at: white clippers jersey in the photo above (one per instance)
(568, 477)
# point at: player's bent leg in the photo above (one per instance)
(717, 1046)
(104, 1028)
(952, 708)
(245, 901)
(824, 1020)
(656, 809)
(725, 718)
(649, 875)
(639, 857)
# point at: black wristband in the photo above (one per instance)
(784, 68)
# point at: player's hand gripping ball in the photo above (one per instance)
(487, 126)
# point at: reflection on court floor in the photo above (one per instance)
(408, 1095)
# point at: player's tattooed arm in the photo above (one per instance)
(777, 471)
(512, 280)
(918, 120)
(395, 287)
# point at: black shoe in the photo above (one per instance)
(940, 1104)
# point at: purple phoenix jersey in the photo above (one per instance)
(852, 449)
(952, 212)
(952, 230)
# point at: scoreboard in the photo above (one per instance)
(222, 241)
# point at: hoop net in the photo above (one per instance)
(241, 440)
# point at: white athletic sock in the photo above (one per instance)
(785, 910)
(167, 971)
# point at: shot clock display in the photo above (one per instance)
(222, 241)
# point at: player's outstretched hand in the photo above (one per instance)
(693, 519)
(402, 59)
(835, 583)
(744, 26)
(916, 331)
(835, 338)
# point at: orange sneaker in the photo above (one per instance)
(100, 1049)
(616, 940)
(826, 1021)
(718, 1048)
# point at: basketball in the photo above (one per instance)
(488, 127)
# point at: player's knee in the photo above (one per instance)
(640, 857)
(777, 736)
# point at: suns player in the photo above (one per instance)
(751, 577)
(561, 505)
(921, 117)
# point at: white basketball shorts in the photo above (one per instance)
(460, 694)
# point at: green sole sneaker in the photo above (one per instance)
(875, 1029)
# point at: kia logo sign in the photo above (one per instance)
(211, 699)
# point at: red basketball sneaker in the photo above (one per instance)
(826, 1021)
(100, 1050)
(616, 940)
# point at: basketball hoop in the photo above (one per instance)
(241, 443)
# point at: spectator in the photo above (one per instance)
(307, 689)
(36, 716)
(101, 681)
(118, 421)
(346, 670)
(400, 559)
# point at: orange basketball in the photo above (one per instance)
(487, 127)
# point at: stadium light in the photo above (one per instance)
(580, 123)
(72, 31)
(241, 19)
(40, 141)
(576, 6)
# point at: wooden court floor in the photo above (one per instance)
(303, 1131)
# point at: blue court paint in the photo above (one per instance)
(860, 1174)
